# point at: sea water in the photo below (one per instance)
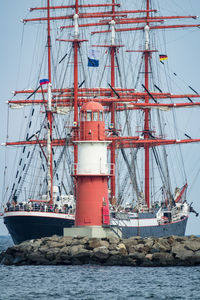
(90, 282)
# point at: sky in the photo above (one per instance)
(186, 62)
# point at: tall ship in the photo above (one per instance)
(102, 64)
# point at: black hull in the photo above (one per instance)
(23, 228)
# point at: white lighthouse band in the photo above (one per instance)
(92, 158)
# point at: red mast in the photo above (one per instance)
(112, 108)
(146, 111)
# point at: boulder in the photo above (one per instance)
(54, 238)
(7, 260)
(131, 248)
(102, 249)
(74, 250)
(28, 247)
(65, 250)
(164, 243)
(121, 246)
(80, 241)
(161, 245)
(194, 245)
(119, 260)
(149, 256)
(142, 248)
(180, 239)
(184, 254)
(154, 250)
(196, 258)
(55, 244)
(114, 252)
(132, 241)
(95, 243)
(64, 253)
(34, 243)
(148, 242)
(84, 256)
(100, 253)
(122, 249)
(171, 240)
(163, 259)
(37, 258)
(52, 254)
(112, 246)
(43, 249)
(67, 240)
(177, 248)
(13, 250)
(138, 257)
(113, 240)
(19, 261)
(105, 243)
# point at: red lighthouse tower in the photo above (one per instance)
(92, 206)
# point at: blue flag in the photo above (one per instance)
(93, 58)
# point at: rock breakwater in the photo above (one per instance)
(134, 251)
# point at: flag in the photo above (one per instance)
(44, 81)
(93, 58)
(163, 57)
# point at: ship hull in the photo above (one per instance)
(26, 226)
(176, 228)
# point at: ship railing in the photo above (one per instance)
(93, 169)
(39, 208)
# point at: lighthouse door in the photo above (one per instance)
(106, 216)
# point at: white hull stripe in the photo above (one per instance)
(38, 214)
(152, 224)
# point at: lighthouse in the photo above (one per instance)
(92, 171)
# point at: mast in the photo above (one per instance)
(146, 111)
(112, 59)
(49, 40)
(76, 46)
(49, 148)
(49, 115)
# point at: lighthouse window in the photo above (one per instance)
(95, 116)
(82, 116)
(89, 116)
(100, 116)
